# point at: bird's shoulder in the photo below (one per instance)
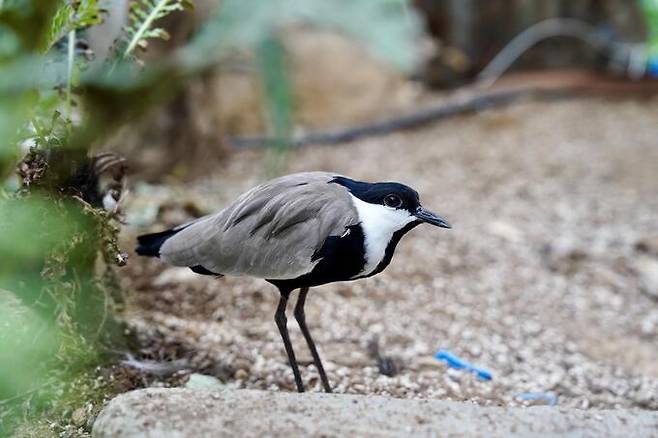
(288, 202)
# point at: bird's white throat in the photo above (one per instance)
(379, 223)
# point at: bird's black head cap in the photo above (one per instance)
(390, 194)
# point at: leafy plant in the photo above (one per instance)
(143, 16)
(74, 16)
(277, 98)
(54, 303)
(24, 30)
(51, 300)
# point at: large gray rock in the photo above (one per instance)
(195, 413)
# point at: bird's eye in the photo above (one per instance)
(393, 201)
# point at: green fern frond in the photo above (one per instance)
(74, 15)
(142, 18)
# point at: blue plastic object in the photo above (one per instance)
(548, 397)
(652, 66)
(460, 364)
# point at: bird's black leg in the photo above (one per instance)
(300, 316)
(281, 322)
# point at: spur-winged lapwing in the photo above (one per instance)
(296, 232)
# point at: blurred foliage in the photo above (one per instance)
(24, 31)
(26, 24)
(56, 299)
(55, 303)
(57, 244)
(386, 27)
(277, 92)
(650, 10)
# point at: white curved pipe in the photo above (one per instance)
(552, 27)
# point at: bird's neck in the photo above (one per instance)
(382, 230)
(390, 248)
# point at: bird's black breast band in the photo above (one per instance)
(339, 259)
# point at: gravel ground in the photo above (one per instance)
(549, 278)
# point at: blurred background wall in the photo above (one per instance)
(337, 83)
(469, 33)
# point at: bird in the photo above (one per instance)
(296, 232)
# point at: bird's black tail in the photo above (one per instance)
(149, 244)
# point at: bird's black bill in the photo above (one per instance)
(431, 218)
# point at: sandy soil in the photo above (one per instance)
(546, 278)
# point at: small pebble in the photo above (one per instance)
(79, 417)
(241, 374)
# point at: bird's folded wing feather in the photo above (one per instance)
(272, 231)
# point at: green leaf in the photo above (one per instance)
(29, 21)
(650, 10)
(143, 16)
(72, 16)
(18, 221)
(277, 90)
(388, 28)
(27, 342)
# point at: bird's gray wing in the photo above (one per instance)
(272, 231)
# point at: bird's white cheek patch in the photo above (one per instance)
(378, 223)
